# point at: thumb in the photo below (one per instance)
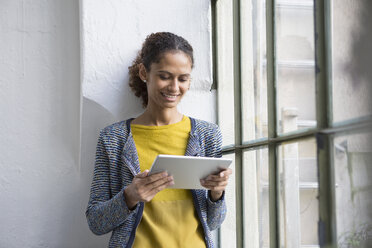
(143, 174)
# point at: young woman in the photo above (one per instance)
(140, 209)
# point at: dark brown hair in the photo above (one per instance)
(154, 47)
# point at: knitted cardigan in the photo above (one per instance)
(115, 166)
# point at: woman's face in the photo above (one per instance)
(169, 80)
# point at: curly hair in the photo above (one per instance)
(153, 48)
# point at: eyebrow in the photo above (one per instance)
(187, 74)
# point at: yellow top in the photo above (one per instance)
(169, 219)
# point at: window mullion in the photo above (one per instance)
(238, 124)
(214, 44)
(272, 124)
(327, 223)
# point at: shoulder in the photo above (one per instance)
(201, 124)
(118, 130)
(206, 128)
(210, 138)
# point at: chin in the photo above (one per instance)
(166, 105)
(170, 105)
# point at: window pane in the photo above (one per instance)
(298, 194)
(256, 198)
(353, 172)
(228, 227)
(295, 65)
(254, 83)
(351, 56)
(225, 73)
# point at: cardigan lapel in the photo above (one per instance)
(193, 145)
(129, 154)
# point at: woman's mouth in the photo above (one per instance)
(170, 97)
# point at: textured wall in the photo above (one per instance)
(40, 193)
(112, 34)
(44, 187)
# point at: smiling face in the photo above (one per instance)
(168, 80)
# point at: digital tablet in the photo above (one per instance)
(187, 170)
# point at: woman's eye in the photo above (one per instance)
(162, 77)
(183, 80)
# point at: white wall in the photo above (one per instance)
(44, 186)
(40, 191)
(112, 34)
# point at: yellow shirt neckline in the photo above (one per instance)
(140, 126)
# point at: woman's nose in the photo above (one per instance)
(173, 85)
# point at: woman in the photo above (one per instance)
(140, 209)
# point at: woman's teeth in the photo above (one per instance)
(169, 96)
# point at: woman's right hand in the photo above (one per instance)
(144, 187)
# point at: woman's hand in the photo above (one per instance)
(216, 183)
(144, 187)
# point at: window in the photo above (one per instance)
(296, 122)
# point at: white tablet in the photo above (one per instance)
(187, 170)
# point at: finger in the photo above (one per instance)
(161, 187)
(228, 171)
(213, 184)
(155, 177)
(218, 178)
(159, 182)
(144, 189)
(224, 172)
(142, 174)
(147, 192)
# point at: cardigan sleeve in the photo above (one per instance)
(105, 212)
(216, 210)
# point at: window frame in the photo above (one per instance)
(324, 131)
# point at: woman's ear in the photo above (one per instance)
(142, 72)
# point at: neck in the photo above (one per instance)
(158, 117)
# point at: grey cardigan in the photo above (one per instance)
(116, 165)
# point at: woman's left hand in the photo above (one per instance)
(216, 183)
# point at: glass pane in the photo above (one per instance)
(295, 65)
(298, 194)
(225, 73)
(256, 199)
(228, 227)
(254, 85)
(351, 56)
(353, 173)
